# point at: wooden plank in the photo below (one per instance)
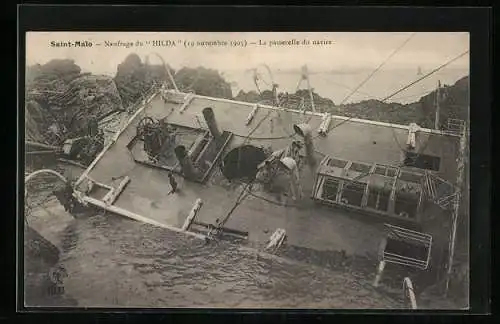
(72, 163)
(252, 114)
(217, 157)
(224, 230)
(196, 143)
(192, 214)
(113, 194)
(189, 98)
(41, 145)
(99, 183)
(41, 152)
(126, 213)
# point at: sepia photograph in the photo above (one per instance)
(249, 170)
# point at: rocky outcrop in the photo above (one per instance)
(250, 96)
(292, 101)
(135, 79)
(381, 111)
(454, 103)
(60, 100)
(202, 81)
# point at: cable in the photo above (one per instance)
(404, 88)
(272, 201)
(421, 94)
(378, 68)
(241, 196)
(426, 75)
(264, 138)
(349, 88)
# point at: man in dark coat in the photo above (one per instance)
(173, 183)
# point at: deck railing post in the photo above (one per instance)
(456, 208)
(380, 270)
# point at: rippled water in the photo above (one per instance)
(112, 261)
(116, 262)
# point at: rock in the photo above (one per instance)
(202, 81)
(134, 79)
(61, 97)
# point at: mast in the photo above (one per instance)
(255, 79)
(438, 107)
(305, 76)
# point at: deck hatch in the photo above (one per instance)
(422, 161)
(204, 151)
(407, 247)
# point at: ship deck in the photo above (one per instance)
(307, 224)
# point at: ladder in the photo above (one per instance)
(438, 190)
(455, 126)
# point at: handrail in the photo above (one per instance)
(408, 286)
(50, 171)
(37, 172)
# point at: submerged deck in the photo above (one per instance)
(307, 224)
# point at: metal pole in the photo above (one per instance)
(172, 78)
(381, 268)
(306, 72)
(407, 285)
(167, 67)
(44, 146)
(436, 119)
(456, 207)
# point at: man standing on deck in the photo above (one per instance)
(173, 183)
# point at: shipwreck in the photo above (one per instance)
(309, 178)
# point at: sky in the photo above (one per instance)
(348, 51)
(348, 54)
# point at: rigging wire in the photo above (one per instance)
(426, 75)
(385, 99)
(405, 87)
(421, 94)
(378, 68)
(247, 188)
(412, 160)
(373, 72)
(422, 149)
(241, 197)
